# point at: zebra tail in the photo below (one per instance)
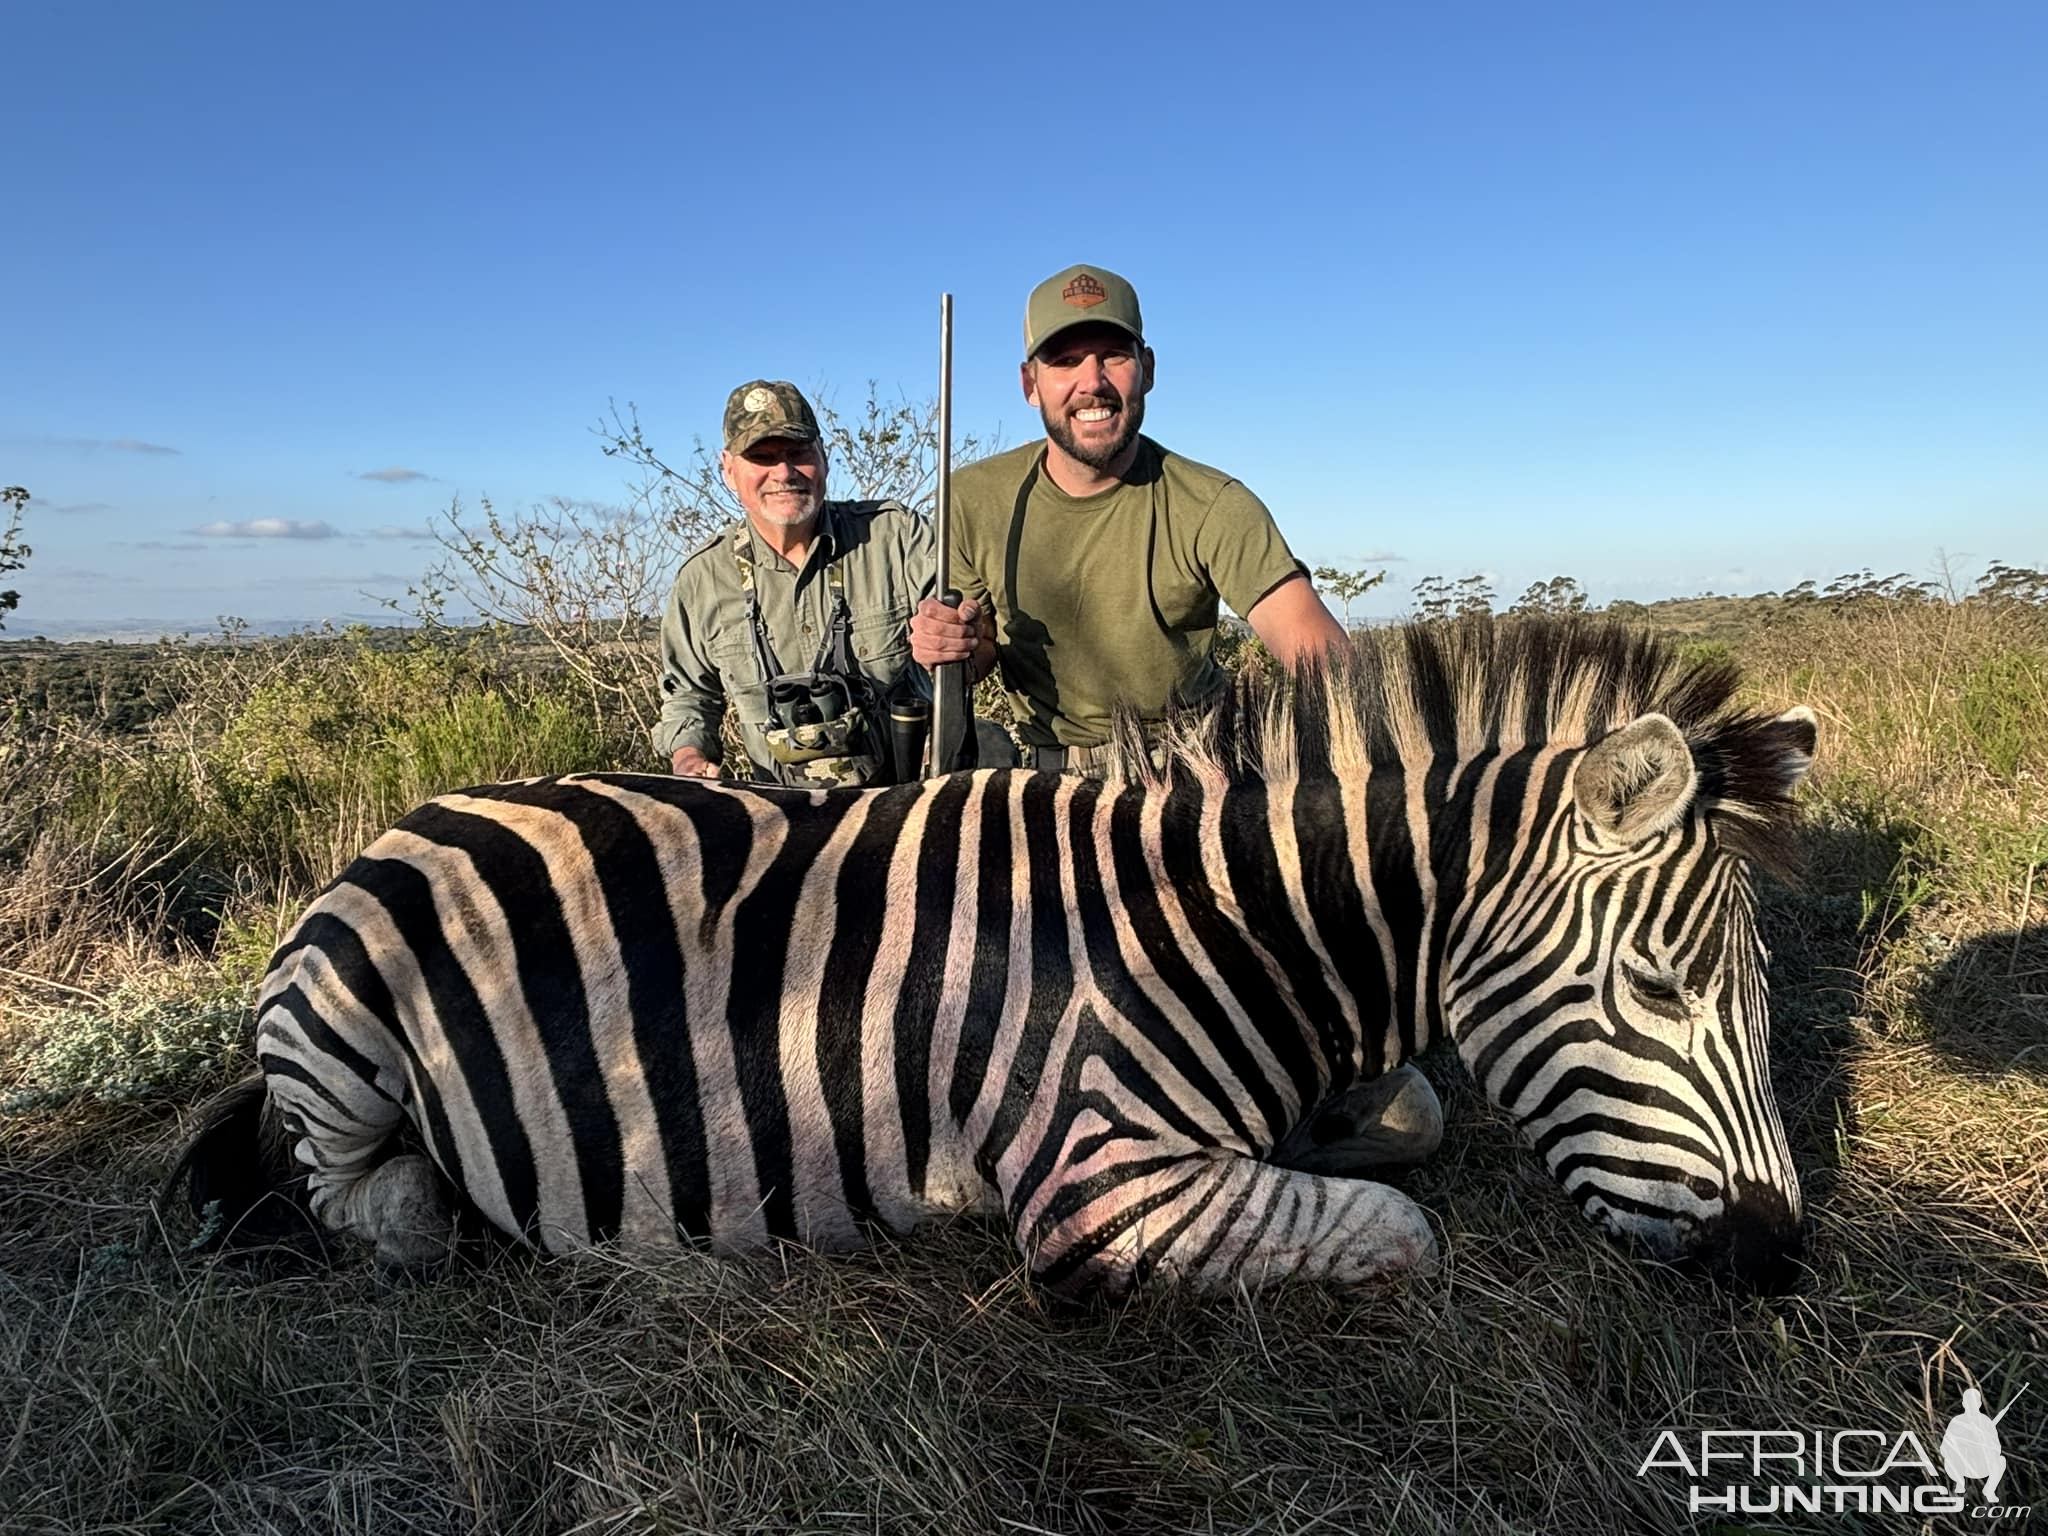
(240, 1177)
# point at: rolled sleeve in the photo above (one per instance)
(919, 558)
(692, 696)
(919, 563)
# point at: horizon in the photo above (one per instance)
(142, 631)
(1666, 303)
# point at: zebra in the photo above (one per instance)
(1116, 1015)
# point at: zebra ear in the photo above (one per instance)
(1636, 782)
(1795, 734)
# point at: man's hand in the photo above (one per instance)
(939, 635)
(689, 763)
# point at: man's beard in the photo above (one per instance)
(790, 511)
(1098, 459)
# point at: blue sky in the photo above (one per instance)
(1668, 298)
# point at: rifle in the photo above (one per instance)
(952, 743)
(2015, 1398)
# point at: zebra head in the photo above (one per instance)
(1613, 1003)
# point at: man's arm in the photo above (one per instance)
(1239, 545)
(692, 697)
(1293, 622)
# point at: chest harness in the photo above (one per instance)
(824, 723)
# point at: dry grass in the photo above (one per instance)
(924, 1387)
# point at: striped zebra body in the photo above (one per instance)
(657, 1010)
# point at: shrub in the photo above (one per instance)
(131, 1045)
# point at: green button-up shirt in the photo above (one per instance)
(885, 555)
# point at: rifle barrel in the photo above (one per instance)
(944, 518)
(2015, 1398)
(950, 689)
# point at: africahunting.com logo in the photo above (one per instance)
(1843, 1471)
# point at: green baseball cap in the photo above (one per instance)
(767, 408)
(1080, 296)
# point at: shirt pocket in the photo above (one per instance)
(739, 672)
(881, 644)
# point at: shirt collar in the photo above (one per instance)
(825, 545)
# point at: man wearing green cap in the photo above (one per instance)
(1092, 565)
(799, 612)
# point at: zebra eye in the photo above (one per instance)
(1704, 1189)
(1654, 991)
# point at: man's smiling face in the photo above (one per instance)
(1089, 385)
(779, 481)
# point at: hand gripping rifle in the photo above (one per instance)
(952, 746)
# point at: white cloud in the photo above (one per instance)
(371, 579)
(419, 535)
(266, 528)
(96, 444)
(66, 576)
(394, 475)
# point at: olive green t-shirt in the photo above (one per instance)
(1113, 596)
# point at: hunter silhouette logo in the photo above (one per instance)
(1969, 1446)
(1807, 1469)
(1085, 291)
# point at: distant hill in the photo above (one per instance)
(133, 631)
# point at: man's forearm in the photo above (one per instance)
(1293, 623)
(690, 723)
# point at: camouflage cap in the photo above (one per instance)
(1080, 296)
(767, 408)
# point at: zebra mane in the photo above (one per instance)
(1433, 689)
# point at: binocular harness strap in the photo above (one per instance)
(835, 650)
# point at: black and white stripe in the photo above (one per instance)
(651, 1010)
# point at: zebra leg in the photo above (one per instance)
(402, 1206)
(1214, 1221)
(1386, 1122)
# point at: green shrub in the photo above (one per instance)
(127, 1048)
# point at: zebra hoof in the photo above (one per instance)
(411, 1216)
(405, 1259)
(1387, 1122)
(1396, 1242)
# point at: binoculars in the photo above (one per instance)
(798, 699)
(806, 698)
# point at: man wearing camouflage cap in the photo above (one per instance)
(796, 613)
(1092, 564)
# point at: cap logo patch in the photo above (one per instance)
(758, 399)
(1085, 291)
